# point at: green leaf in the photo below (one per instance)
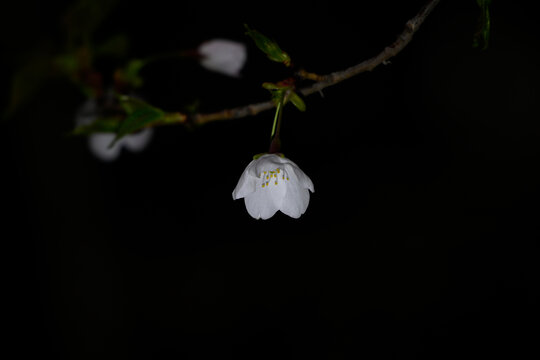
(481, 37)
(297, 101)
(130, 74)
(271, 86)
(277, 91)
(278, 95)
(130, 104)
(256, 156)
(284, 93)
(100, 125)
(140, 115)
(269, 47)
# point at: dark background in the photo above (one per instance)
(419, 242)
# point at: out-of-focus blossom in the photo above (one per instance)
(271, 183)
(223, 56)
(99, 142)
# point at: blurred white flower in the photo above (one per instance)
(99, 142)
(271, 183)
(223, 56)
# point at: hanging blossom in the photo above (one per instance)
(99, 142)
(223, 56)
(271, 183)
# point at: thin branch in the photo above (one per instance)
(331, 79)
(234, 113)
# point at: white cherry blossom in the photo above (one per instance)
(223, 56)
(99, 142)
(271, 183)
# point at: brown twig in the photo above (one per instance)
(234, 113)
(331, 79)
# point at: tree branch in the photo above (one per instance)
(331, 79)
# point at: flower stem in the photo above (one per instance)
(275, 142)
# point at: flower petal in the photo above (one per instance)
(87, 113)
(296, 200)
(223, 56)
(264, 196)
(266, 162)
(266, 201)
(137, 142)
(297, 175)
(246, 184)
(99, 145)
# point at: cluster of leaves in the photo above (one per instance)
(121, 114)
(136, 115)
(140, 114)
(283, 91)
(76, 60)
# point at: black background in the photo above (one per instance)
(420, 238)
